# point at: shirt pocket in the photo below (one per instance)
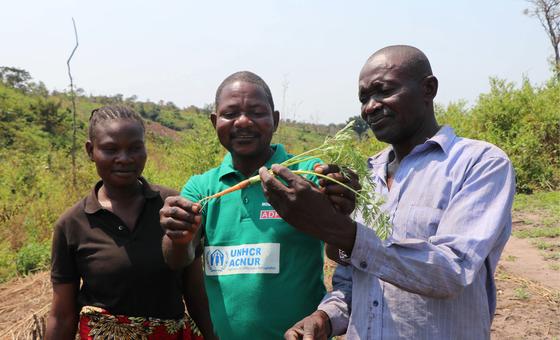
(422, 222)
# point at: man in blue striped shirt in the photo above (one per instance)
(449, 201)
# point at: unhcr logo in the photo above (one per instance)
(217, 260)
(257, 258)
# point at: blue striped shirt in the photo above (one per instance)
(450, 207)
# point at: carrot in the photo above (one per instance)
(239, 186)
(316, 166)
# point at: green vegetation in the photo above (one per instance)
(546, 202)
(32, 257)
(543, 245)
(538, 232)
(523, 121)
(521, 293)
(541, 212)
(511, 258)
(35, 151)
(552, 256)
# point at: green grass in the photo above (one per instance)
(541, 212)
(538, 232)
(521, 293)
(552, 256)
(548, 202)
(543, 245)
(511, 258)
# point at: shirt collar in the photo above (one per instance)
(444, 138)
(92, 204)
(278, 156)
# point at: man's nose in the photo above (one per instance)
(243, 120)
(372, 105)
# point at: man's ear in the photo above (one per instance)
(430, 87)
(89, 149)
(276, 117)
(213, 118)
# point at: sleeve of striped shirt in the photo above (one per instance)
(337, 303)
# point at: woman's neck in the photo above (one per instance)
(119, 194)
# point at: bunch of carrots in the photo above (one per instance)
(339, 150)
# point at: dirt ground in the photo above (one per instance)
(528, 287)
(528, 284)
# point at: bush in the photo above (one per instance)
(32, 256)
(524, 122)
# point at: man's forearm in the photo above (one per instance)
(337, 303)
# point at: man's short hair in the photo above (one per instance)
(248, 77)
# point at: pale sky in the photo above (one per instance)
(180, 51)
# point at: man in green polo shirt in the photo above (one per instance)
(261, 274)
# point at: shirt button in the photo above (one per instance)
(245, 200)
(363, 265)
(121, 228)
(375, 303)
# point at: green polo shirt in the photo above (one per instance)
(261, 274)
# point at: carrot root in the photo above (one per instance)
(239, 186)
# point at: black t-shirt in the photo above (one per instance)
(122, 271)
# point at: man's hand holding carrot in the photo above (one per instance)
(319, 212)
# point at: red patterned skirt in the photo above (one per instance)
(97, 323)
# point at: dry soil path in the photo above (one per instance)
(521, 258)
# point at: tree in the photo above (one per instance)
(360, 126)
(15, 77)
(548, 13)
(50, 116)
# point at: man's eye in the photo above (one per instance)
(365, 98)
(258, 114)
(386, 91)
(228, 115)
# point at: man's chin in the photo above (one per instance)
(245, 152)
(385, 136)
(249, 151)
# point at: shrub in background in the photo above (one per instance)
(32, 257)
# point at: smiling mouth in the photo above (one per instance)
(378, 118)
(244, 138)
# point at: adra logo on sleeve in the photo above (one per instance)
(260, 258)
